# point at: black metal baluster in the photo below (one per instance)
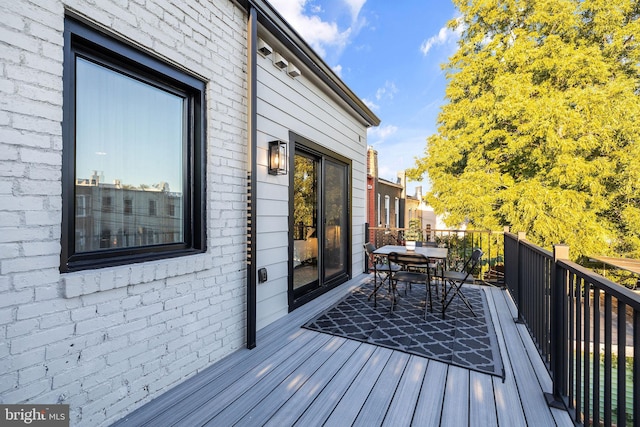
(636, 368)
(572, 340)
(622, 349)
(595, 389)
(586, 321)
(579, 347)
(607, 358)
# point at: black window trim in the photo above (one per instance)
(81, 39)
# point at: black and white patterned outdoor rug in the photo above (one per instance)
(460, 339)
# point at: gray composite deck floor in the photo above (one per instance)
(300, 377)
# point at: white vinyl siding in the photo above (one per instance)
(298, 105)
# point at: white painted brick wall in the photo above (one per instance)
(106, 341)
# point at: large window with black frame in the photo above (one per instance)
(133, 154)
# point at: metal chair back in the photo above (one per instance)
(456, 279)
(416, 270)
(407, 259)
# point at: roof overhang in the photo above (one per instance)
(389, 183)
(273, 22)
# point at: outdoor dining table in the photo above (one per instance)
(431, 253)
(427, 251)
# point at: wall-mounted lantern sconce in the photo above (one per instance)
(277, 158)
(293, 70)
(279, 61)
(264, 48)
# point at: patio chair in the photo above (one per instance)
(432, 265)
(415, 270)
(382, 270)
(453, 281)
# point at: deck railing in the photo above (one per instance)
(460, 243)
(586, 328)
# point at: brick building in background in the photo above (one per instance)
(389, 206)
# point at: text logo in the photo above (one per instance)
(34, 415)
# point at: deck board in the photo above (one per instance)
(328, 398)
(244, 395)
(507, 398)
(351, 403)
(482, 407)
(400, 412)
(429, 407)
(375, 408)
(300, 377)
(293, 408)
(534, 405)
(455, 409)
(276, 399)
(200, 384)
(216, 395)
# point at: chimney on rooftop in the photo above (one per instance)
(372, 162)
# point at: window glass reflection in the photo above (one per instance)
(130, 146)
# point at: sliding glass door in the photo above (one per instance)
(320, 223)
(305, 224)
(336, 219)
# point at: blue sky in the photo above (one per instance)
(389, 53)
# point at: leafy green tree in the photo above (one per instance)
(541, 131)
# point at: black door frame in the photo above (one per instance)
(298, 142)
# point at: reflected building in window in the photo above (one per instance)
(117, 215)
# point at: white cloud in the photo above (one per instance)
(388, 91)
(355, 6)
(381, 132)
(357, 22)
(445, 36)
(316, 8)
(338, 70)
(321, 35)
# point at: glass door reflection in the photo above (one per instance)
(336, 218)
(305, 233)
